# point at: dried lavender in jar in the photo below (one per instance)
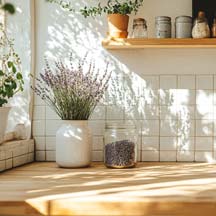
(120, 154)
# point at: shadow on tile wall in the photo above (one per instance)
(172, 107)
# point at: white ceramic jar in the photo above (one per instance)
(4, 112)
(73, 144)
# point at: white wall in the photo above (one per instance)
(19, 28)
(173, 123)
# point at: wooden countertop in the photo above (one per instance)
(151, 189)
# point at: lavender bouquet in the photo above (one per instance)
(72, 92)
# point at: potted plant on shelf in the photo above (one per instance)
(117, 11)
(11, 80)
(72, 92)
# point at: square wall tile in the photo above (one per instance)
(168, 127)
(134, 112)
(150, 143)
(151, 82)
(204, 156)
(150, 96)
(204, 82)
(187, 82)
(168, 97)
(9, 164)
(40, 143)
(50, 156)
(52, 127)
(168, 112)
(204, 128)
(168, 82)
(168, 156)
(51, 143)
(150, 128)
(40, 156)
(151, 112)
(204, 98)
(97, 127)
(186, 144)
(205, 112)
(150, 156)
(99, 113)
(2, 166)
(38, 101)
(114, 113)
(186, 128)
(185, 156)
(186, 112)
(51, 115)
(38, 128)
(168, 143)
(97, 156)
(204, 143)
(98, 143)
(186, 97)
(39, 112)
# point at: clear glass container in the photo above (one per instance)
(120, 146)
(214, 28)
(163, 27)
(201, 27)
(139, 28)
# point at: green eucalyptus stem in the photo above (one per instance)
(125, 7)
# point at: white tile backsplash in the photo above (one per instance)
(148, 156)
(51, 143)
(203, 156)
(168, 82)
(204, 144)
(185, 156)
(204, 128)
(187, 82)
(150, 143)
(175, 117)
(168, 156)
(204, 82)
(169, 127)
(168, 143)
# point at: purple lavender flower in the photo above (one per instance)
(72, 92)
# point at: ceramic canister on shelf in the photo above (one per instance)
(183, 26)
(163, 27)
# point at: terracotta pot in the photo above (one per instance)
(118, 25)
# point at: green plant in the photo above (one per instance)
(72, 91)
(11, 79)
(111, 7)
(7, 7)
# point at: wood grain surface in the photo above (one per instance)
(137, 43)
(150, 189)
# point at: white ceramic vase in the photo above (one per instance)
(73, 144)
(4, 111)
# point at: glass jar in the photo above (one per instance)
(183, 27)
(201, 27)
(120, 146)
(139, 28)
(163, 27)
(214, 28)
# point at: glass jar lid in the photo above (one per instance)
(139, 21)
(183, 19)
(163, 19)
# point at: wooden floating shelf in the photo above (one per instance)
(116, 44)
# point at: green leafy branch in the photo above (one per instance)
(8, 7)
(111, 7)
(11, 79)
